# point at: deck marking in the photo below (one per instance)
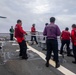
(14, 44)
(62, 69)
(11, 41)
(17, 50)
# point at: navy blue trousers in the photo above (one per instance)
(63, 42)
(23, 49)
(74, 51)
(52, 45)
(33, 38)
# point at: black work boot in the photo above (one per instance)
(61, 52)
(74, 61)
(47, 63)
(20, 54)
(24, 56)
(57, 65)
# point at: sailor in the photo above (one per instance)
(51, 31)
(11, 33)
(33, 34)
(65, 40)
(73, 37)
(19, 35)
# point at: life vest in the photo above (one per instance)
(33, 31)
(65, 35)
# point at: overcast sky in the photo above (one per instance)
(38, 12)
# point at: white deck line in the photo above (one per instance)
(11, 41)
(14, 44)
(62, 69)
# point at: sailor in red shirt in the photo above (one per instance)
(65, 39)
(73, 37)
(33, 33)
(19, 35)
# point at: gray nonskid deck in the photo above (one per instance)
(35, 65)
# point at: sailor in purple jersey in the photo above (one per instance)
(52, 31)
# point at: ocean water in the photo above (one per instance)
(4, 34)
